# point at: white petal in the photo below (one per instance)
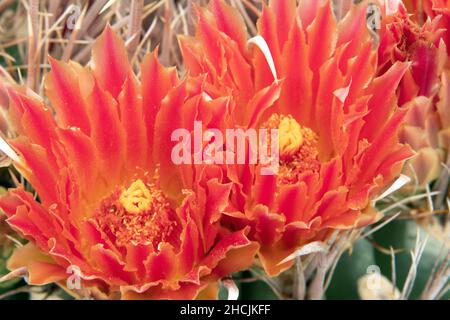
(206, 97)
(261, 43)
(6, 149)
(233, 291)
(342, 93)
(399, 183)
(312, 247)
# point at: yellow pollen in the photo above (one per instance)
(290, 136)
(298, 147)
(139, 214)
(136, 198)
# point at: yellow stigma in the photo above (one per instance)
(298, 147)
(139, 214)
(290, 135)
(136, 198)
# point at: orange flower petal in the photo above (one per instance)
(110, 61)
(62, 88)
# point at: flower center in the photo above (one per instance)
(136, 198)
(139, 214)
(290, 136)
(298, 147)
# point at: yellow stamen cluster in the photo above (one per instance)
(139, 214)
(136, 198)
(298, 147)
(290, 136)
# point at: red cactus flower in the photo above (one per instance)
(426, 8)
(427, 130)
(402, 39)
(430, 9)
(338, 122)
(102, 207)
(424, 89)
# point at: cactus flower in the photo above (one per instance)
(100, 207)
(315, 80)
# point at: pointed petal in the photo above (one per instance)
(133, 122)
(63, 90)
(230, 22)
(110, 61)
(157, 81)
